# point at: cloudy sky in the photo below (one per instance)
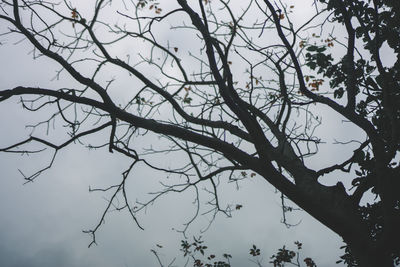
(41, 223)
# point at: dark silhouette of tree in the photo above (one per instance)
(199, 255)
(237, 88)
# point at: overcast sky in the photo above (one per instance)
(41, 223)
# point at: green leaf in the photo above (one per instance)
(312, 48)
(338, 93)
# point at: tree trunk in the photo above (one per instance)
(370, 257)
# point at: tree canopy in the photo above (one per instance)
(240, 88)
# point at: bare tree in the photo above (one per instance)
(240, 97)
